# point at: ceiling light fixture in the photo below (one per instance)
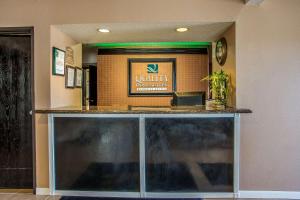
(103, 30)
(182, 29)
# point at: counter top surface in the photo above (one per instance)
(140, 110)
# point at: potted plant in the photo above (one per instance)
(219, 89)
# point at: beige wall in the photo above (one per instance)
(229, 67)
(267, 52)
(268, 81)
(42, 157)
(70, 97)
(60, 95)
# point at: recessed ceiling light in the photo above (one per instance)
(103, 30)
(182, 29)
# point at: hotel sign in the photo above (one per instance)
(151, 76)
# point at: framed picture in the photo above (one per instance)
(58, 61)
(70, 77)
(221, 51)
(69, 55)
(78, 77)
(151, 76)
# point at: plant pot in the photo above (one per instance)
(213, 104)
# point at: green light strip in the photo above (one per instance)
(151, 44)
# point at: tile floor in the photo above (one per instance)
(19, 196)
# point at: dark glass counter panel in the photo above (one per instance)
(189, 154)
(96, 154)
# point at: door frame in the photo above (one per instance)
(28, 31)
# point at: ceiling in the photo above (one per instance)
(144, 32)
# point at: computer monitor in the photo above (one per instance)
(188, 98)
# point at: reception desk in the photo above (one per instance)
(147, 152)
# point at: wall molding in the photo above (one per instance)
(248, 194)
(42, 191)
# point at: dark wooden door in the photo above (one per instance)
(16, 141)
(93, 85)
(89, 86)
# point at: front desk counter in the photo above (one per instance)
(144, 152)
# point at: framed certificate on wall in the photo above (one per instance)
(58, 61)
(70, 77)
(78, 77)
(151, 76)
